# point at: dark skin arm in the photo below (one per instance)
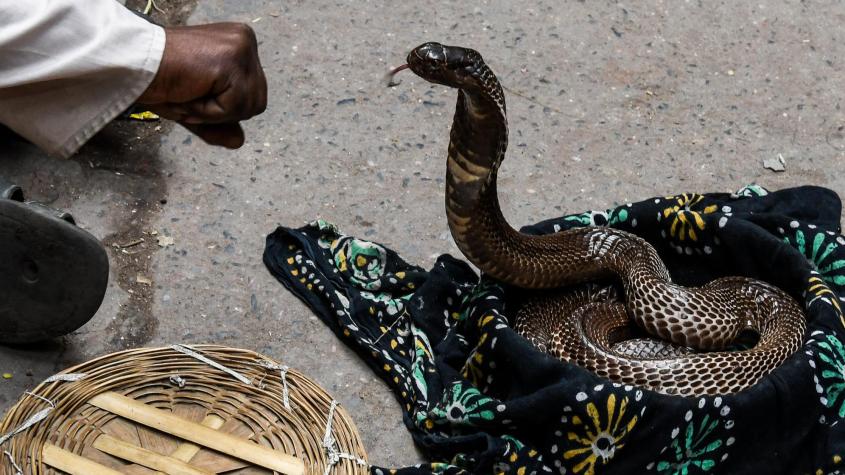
(210, 79)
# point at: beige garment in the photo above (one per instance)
(68, 67)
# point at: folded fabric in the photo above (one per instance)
(478, 398)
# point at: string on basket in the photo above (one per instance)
(68, 377)
(330, 444)
(283, 372)
(38, 416)
(184, 349)
(18, 470)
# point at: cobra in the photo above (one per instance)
(589, 326)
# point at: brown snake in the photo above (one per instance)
(587, 327)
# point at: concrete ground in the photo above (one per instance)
(608, 102)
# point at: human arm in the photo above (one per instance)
(67, 68)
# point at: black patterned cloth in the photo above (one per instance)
(478, 398)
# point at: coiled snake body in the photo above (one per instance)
(587, 326)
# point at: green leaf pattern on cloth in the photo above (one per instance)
(610, 217)
(464, 405)
(700, 443)
(827, 358)
(820, 248)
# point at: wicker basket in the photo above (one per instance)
(174, 380)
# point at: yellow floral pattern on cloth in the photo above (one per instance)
(683, 222)
(686, 220)
(477, 369)
(517, 458)
(597, 431)
(834, 461)
(818, 290)
(474, 369)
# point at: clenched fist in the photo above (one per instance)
(210, 79)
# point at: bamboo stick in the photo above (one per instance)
(71, 463)
(198, 434)
(186, 450)
(147, 458)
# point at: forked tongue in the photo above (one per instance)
(389, 77)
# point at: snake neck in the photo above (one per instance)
(477, 147)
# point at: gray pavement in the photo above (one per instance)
(609, 102)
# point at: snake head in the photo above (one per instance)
(447, 65)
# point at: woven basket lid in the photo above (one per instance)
(245, 394)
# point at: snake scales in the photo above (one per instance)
(589, 325)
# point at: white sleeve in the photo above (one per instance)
(68, 67)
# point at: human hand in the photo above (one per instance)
(210, 78)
